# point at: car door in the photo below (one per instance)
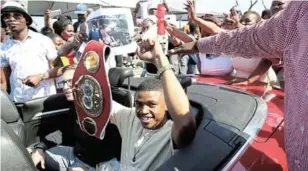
(45, 115)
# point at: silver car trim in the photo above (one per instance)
(49, 113)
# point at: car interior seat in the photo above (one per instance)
(14, 154)
(10, 115)
(117, 76)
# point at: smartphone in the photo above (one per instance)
(55, 13)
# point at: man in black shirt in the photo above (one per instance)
(87, 151)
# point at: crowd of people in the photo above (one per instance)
(30, 61)
(245, 71)
(249, 47)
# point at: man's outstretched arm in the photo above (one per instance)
(263, 40)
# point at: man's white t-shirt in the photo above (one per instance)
(244, 67)
(215, 65)
(25, 58)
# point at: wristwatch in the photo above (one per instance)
(162, 69)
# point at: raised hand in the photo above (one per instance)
(233, 17)
(149, 50)
(47, 14)
(190, 10)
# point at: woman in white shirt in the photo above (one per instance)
(246, 71)
(252, 70)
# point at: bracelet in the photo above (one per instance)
(162, 70)
(39, 146)
(42, 76)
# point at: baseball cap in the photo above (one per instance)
(81, 9)
(12, 6)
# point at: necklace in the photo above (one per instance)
(146, 136)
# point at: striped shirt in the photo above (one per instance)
(284, 35)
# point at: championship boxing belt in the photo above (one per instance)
(92, 95)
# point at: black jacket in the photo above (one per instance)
(89, 149)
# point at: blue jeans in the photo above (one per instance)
(62, 158)
(116, 166)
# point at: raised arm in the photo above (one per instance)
(264, 40)
(178, 106)
(68, 47)
(173, 31)
(207, 26)
(47, 21)
(184, 127)
(135, 12)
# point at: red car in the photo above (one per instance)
(264, 149)
(239, 127)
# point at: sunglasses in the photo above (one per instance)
(68, 82)
(16, 16)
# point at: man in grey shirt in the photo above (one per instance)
(149, 138)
